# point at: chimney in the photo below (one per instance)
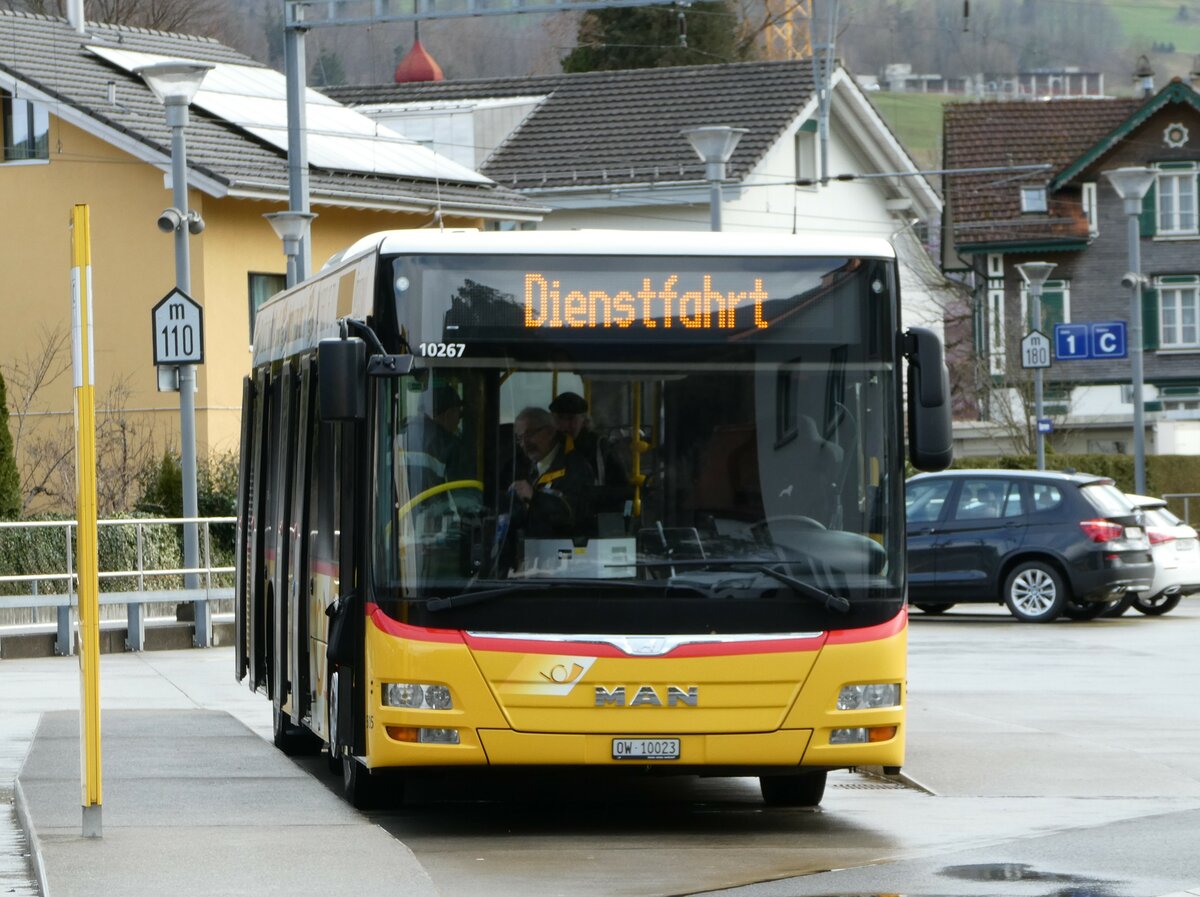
(1194, 74)
(75, 16)
(1143, 78)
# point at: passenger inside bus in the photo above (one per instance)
(611, 492)
(432, 442)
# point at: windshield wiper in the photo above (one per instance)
(465, 598)
(831, 601)
(478, 595)
(807, 589)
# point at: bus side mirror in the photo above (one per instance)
(342, 379)
(930, 436)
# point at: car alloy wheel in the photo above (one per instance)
(1034, 592)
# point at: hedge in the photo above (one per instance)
(31, 550)
(1164, 473)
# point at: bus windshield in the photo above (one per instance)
(717, 464)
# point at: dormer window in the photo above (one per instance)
(1033, 199)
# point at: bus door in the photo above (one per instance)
(256, 451)
(298, 582)
(241, 619)
(280, 473)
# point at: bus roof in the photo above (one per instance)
(621, 242)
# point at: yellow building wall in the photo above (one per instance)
(133, 266)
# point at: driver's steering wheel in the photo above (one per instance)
(434, 491)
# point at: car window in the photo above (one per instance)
(923, 500)
(1168, 518)
(988, 499)
(1160, 517)
(1046, 497)
(1107, 499)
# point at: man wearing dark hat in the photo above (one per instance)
(609, 477)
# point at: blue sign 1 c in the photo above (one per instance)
(1101, 339)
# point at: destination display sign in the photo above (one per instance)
(461, 301)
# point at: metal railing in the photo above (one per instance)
(134, 599)
(1173, 498)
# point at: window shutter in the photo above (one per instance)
(1149, 318)
(1148, 220)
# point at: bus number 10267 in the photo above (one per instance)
(442, 350)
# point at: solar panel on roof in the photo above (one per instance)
(339, 138)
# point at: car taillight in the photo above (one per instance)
(1158, 536)
(1102, 530)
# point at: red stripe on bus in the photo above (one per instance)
(894, 626)
(699, 649)
(386, 624)
(395, 628)
(592, 649)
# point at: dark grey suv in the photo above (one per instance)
(1042, 543)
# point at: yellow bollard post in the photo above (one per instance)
(87, 555)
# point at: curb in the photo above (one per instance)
(35, 843)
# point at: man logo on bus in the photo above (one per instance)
(647, 696)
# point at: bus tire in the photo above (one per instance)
(334, 758)
(801, 790)
(293, 740)
(356, 784)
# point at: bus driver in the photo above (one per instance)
(551, 500)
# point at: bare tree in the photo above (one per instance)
(203, 17)
(39, 450)
(44, 440)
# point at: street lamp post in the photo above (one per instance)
(291, 228)
(1034, 274)
(1132, 184)
(175, 83)
(714, 145)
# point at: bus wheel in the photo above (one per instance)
(358, 785)
(291, 739)
(334, 758)
(803, 790)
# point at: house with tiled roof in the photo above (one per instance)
(1030, 186)
(606, 149)
(80, 126)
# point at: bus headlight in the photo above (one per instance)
(417, 697)
(868, 697)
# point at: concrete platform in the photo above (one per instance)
(195, 803)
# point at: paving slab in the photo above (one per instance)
(195, 803)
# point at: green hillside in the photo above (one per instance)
(1153, 26)
(916, 120)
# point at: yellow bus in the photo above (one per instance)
(437, 569)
